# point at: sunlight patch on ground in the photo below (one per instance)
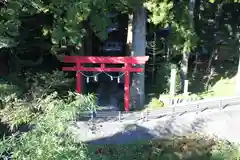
(224, 87)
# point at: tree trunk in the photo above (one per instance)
(130, 35)
(88, 40)
(184, 69)
(191, 7)
(238, 79)
(139, 47)
(185, 57)
(238, 73)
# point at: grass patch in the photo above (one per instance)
(163, 101)
(155, 104)
(221, 83)
(224, 87)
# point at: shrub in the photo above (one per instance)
(47, 114)
(49, 137)
(189, 147)
(155, 103)
(41, 84)
(18, 111)
(7, 89)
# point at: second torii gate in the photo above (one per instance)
(126, 69)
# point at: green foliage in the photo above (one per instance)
(160, 11)
(43, 83)
(226, 1)
(66, 25)
(48, 116)
(163, 13)
(8, 89)
(67, 20)
(50, 137)
(191, 146)
(155, 103)
(17, 112)
(9, 24)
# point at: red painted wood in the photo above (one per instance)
(126, 88)
(99, 69)
(78, 78)
(102, 66)
(127, 61)
(108, 60)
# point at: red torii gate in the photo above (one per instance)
(127, 68)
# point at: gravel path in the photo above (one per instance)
(221, 123)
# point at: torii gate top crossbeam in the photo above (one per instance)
(108, 60)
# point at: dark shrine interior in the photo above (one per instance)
(108, 85)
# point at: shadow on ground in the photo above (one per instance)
(134, 132)
(175, 144)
